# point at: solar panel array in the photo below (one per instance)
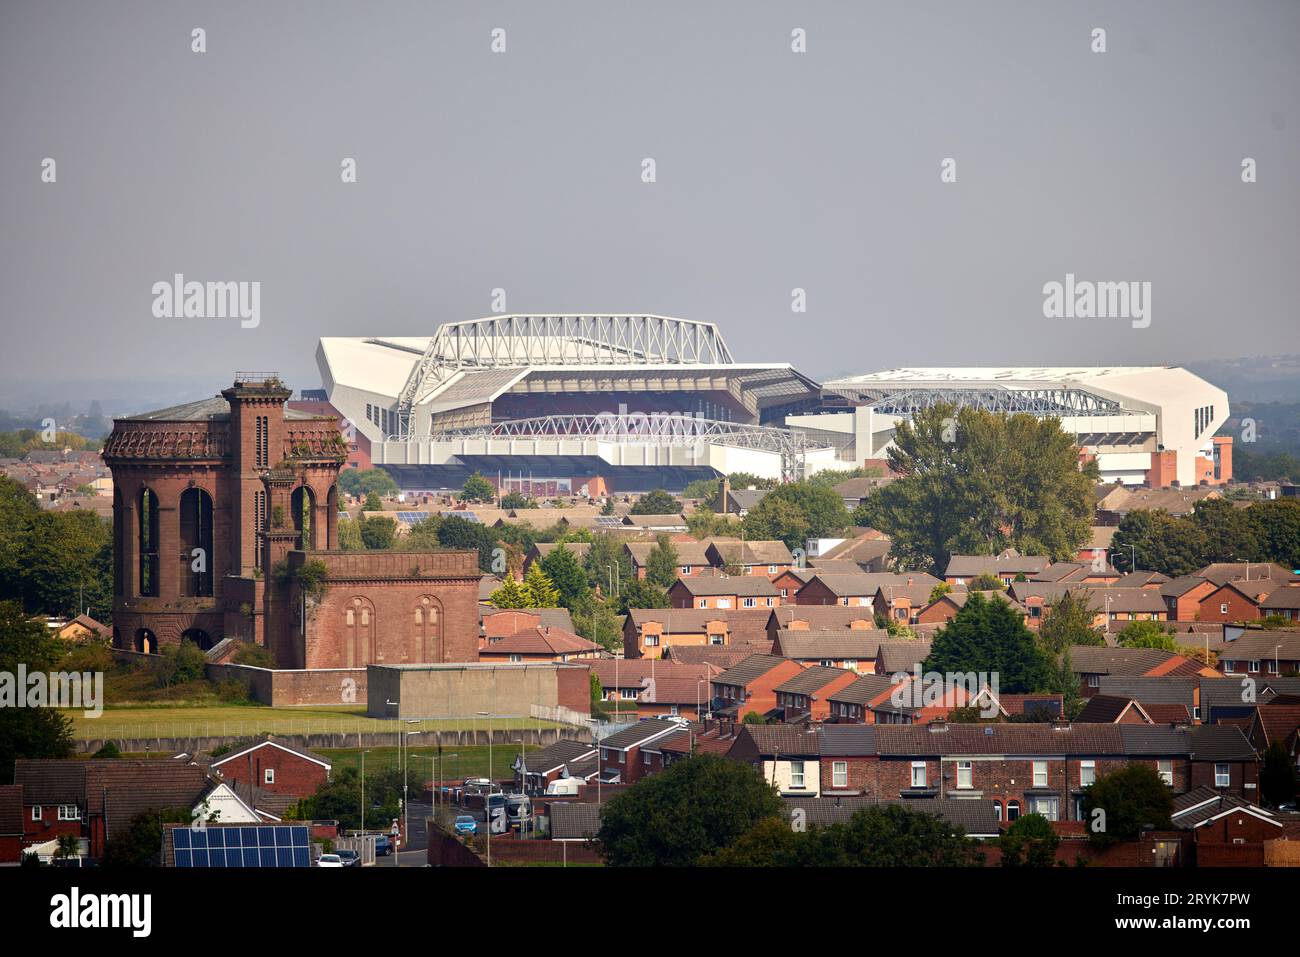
(467, 516)
(245, 846)
(411, 518)
(608, 521)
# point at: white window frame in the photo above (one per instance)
(750, 603)
(69, 812)
(1165, 769)
(918, 779)
(839, 774)
(965, 775)
(798, 775)
(1091, 776)
(268, 775)
(37, 814)
(1225, 779)
(1040, 766)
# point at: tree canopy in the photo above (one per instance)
(478, 489)
(1129, 799)
(796, 512)
(974, 482)
(691, 809)
(657, 502)
(990, 636)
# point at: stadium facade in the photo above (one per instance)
(626, 403)
(1144, 425)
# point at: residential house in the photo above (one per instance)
(1183, 596)
(540, 644)
(823, 617)
(624, 680)
(1243, 599)
(273, 765)
(650, 632)
(1261, 653)
(787, 756)
(751, 685)
(1092, 662)
(1005, 567)
(537, 769)
(853, 703)
(837, 589)
(1276, 723)
(805, 695)
(621, 761)
(852, 649)
(723, 591)
(11, 823)
(502, 622)
(691, 557)
(656, 523)
(540, 550)
(765, 558)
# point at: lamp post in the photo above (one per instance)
(595, 743)
(363, 790)
(487, 803)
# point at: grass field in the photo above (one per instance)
(239, 720)
(456, 763)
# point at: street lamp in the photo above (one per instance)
(404, 754)
(487, 802)
(363, 790)
(595, 743)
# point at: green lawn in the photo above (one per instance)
(236, 720)
(456, 764)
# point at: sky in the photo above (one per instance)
(524, 171)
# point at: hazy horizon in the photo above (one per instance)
(522, 171)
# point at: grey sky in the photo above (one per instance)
(522, 171)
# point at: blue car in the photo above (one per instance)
(383, 846)
(466, 825)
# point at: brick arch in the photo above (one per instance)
(359, 630)
(427, 623)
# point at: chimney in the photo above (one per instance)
(1061, 724)
(937, 725)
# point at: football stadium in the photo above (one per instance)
(594, 404)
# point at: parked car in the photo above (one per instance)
(383, 846)
(330, 860)
(349, 858)
(465, 824)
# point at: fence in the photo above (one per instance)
(190, 736)
(560, 715)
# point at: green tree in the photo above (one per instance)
(1069, 621)
(1228, 531)
(19, 511)
(1160, 542)
(372, 503)
(511, 594)
(939, 590)
(690, 810)
(641, 593)
(140, 845)
(1129, 799)
(68, 564)
(539, 590)
(478, 489)
(1029, 842)
(986, 582)
(350, 535)
(179, 664)
(988, 635)
(29, 732)
(1277, 526)
(1277, 777)
(607, 563)
(1146, 634)
(379, 532)
(657, 502)
(597, 621)
(567, 575)
(362, 482)
(795, 512)
(517, 500)
(661, 563)
(974, 482)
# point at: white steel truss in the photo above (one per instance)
(518, 341)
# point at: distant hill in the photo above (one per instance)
(1258, 379)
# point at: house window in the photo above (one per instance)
(651, 640)
(1035, 611)
(964, 774)
(997, 810)
(1087, 773)
(825, 662)
(1040, 774)
(69, 812)
(768, 602)
(851, 664)
(918, 774)
(1223, 608)
(1013, 810)
(771, 569)
(1221, 776)
(704, 603)
(622, 757)
(749, 603)
(1254, 666)
(1166, 771)
(515, 659)
(840, 774)
(268, 776)
(715, 639)
(796, 774)
(784, 593)
(1049, 807)
(1094, 681)
(724, 602)
(686, 569)
(645, 758)
(36, 812)
(1272, 667)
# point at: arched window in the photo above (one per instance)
(997, 810)
(148, 548)
(146, 642)
(426, 640)
(199, 637)
(1013, 810)
(331, 516)
(359, 632)
(302, 503)
(196, 543)
(119, 546)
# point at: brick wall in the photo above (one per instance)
(294, 774)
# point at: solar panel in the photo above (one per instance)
(608, 521)
(412, 518)
(242, 846)
(467, 516)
